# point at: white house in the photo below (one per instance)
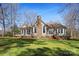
(41, 29)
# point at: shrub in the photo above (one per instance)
(9, 34)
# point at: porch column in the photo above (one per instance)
(33, 29)
(63, 31)
(21, 31)
(57, 32)
(26, 32)
(45, 29)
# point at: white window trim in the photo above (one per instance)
(42, 29)
(49, 33)
(63, 32)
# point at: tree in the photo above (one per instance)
(3, 18)
(13, 8)
(30, 17)
(17, 31)
(71, 17)
(8, 13)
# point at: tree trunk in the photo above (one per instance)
(3, 34)
(3, 28)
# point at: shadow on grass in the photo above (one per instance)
(19, 43)
(40, 43)
(74, 45)
(63, 52)
(35, 52)
(6, 44)
(46, 52)
(4, 50)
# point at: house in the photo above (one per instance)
(41, 29)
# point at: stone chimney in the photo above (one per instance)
(39, 27)
(38, 20)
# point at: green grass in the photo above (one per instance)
(35, 47)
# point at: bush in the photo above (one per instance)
(9, 34)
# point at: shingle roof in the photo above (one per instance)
(55, 25)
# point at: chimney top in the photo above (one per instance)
(38, 17)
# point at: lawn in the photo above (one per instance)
(38, 47)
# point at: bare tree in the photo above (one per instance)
(3, 17)
(14, 8)
(8, 13)
(30, 17)
(71, 18)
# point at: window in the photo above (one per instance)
(43, 29)
(28, 31)
(35, 29)
(51, 31)
(60, 31)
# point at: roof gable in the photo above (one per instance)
(56, 25)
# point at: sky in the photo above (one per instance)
(48, 11)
